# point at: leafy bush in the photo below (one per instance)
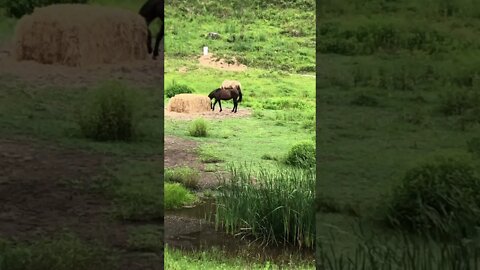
(176, 89)
(109, 115)
(198, 128)
(442, 195)
(184, 175)
(301, 155)
(18, 8)
(177, 196)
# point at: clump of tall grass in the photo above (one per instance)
(275, 206)
(198, 128)
(176, 196)
(442, 195)
(401, 251)
(301, 154)
(110, 114)
(185, 175)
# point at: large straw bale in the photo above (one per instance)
(231, 84)
(189, 103)
(81, 35)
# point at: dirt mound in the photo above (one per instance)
(189, 103)
(210, 61)
(80, 35)
(226, 113)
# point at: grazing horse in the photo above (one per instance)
(151, 10)
(226, 94)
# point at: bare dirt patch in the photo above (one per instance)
(180, 152)
(146, 72)
(226, 113)
(212, 62)
(39, 196)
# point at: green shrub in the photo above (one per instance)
(110, 115)
(442, 195)
(18, 8)
(301, 155)
(198, 128)
(186, 176)
(176, 89)
(176, 196)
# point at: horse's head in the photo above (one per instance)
(212, 96)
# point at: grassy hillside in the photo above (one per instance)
(397, 84)
(276, 41)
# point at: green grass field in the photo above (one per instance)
(129, 186)
(397, 85)
(278, 88)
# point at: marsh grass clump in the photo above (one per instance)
(176, 89)
(275, 206)
(442, 195)
(301, 155)
(185, 175)
(400, 251)
(64, 251)
(176, 196)
(198, 128)
(110, 114)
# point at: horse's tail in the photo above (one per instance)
(239, 94)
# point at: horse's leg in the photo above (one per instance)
(220, 104)
(149, 42)
(213, 109)
(234, 105)
(157, 41)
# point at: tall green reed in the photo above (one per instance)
(275, 206)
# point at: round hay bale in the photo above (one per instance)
(81, 35)
(189, 103)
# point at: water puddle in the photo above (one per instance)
(193, 229)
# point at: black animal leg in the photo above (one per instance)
(157, 41)
(220, 104)
(149, 42)
(213, 108)
(234, 105)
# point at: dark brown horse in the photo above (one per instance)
(151, 10)
(219, 94)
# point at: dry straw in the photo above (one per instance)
(189, 103)
(81, 35)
